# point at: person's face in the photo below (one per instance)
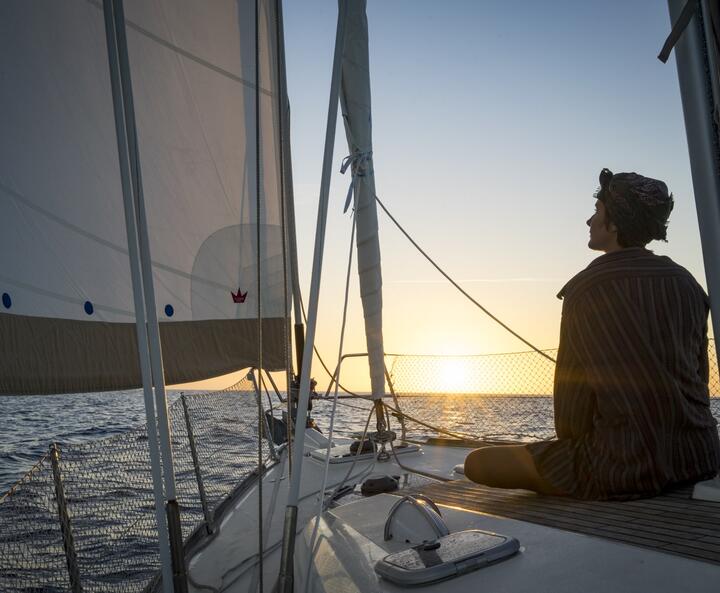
(602, 238)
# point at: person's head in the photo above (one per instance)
(630, 211)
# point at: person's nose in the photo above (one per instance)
(589, 221)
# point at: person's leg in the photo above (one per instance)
(506, 466)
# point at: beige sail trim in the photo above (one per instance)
(43, 355)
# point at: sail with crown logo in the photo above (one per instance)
(66, 308)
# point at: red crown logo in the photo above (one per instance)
(239, 297)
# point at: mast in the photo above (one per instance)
(696, 91)
(357, 115)
(169, 533)
(288, 195)
(285, 584)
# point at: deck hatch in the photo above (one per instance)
(446, 557)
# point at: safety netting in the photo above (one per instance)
(83, 519)
(506, 397)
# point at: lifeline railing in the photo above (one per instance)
(82, 519)
(482, 397)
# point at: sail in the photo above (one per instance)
(355, 102)
(66, 301)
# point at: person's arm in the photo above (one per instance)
(703, 362)
(573, 401)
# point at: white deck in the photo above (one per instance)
(228, 559)
(350, 542)
(550, 560)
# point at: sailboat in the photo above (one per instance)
(477, 539)
(151, 257)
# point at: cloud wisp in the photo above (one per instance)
(475, 281)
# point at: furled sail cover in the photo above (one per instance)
(355, 99)
(66, 304)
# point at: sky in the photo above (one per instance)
(491, 123)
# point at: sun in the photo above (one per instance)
(452, 375)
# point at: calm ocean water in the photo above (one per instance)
(106, 476)
(29, 424)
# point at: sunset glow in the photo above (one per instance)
(494, 184)
(526, 373)
(452, 375)
(487, 152)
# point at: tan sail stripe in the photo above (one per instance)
(40, 355)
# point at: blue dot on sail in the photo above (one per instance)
(89, 308)
(6, 300)
(169, 311)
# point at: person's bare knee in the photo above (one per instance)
(476, 466)
(492, 466)
(504, 466)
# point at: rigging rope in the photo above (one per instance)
(320, 359)
(447, 276)
(258, 220)
(331, 428)
(357, 162)
(324, 502)
(417, 471)
(456, 285)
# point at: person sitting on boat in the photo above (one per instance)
(632, 409)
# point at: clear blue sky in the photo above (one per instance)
(491, 122)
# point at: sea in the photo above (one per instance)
(106, 476)
(29, 424)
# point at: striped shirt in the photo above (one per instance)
(632, 409)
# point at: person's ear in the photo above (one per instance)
(612, 228)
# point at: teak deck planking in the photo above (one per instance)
(672, 522)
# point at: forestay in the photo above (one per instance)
(66, 309)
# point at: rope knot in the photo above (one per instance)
(358, 164)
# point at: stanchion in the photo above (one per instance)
(196, 466)
(65, 527)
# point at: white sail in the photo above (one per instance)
(355, 101)
(66, 308)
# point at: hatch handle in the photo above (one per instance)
(429, 511)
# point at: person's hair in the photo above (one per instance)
(638, 206)
(652, 227)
